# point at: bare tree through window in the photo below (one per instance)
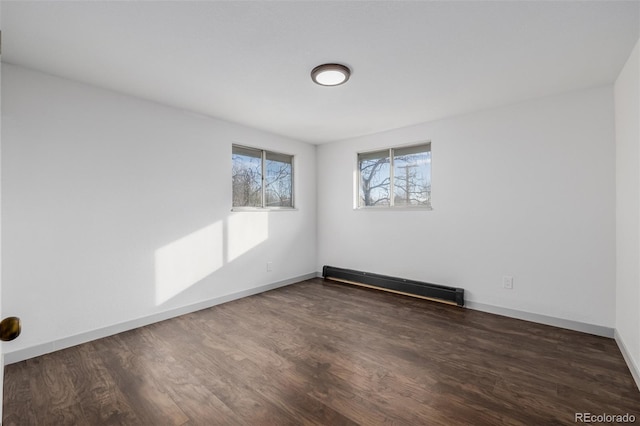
(278, 188)
(246, 177)
(396, 177)
(374, 179)
(261, 178)
(412, 176)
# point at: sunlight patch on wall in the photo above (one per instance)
(245, 231)
(184, 262)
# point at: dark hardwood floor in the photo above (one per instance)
(319, 352)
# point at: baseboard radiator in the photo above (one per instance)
(435, 292)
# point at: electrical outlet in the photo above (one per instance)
(269, 266)
(507, 282)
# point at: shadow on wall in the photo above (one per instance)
(188, 260)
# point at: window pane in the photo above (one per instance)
(416, 149)
(278, 180)
(374, 178)
(247, 177)
(412, 176)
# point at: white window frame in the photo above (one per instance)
(263, 159)
(391, 206)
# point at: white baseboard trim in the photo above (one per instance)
(633, 367)
(598, 330)
(66, 342)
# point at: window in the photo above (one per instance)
(395, 177)
(261, 179)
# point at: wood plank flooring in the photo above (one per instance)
(318, 352)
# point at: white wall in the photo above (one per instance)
(109, 202)
(527, 190)
(627, 124)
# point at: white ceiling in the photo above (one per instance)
(249, 62)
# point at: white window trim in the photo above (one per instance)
(391, 207)
(262, 165)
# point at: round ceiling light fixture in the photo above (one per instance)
(330, 74)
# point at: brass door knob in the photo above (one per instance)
(10, 328)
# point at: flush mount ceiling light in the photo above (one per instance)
(330, 74)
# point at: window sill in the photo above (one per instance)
(393, 209)
(264, 209)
